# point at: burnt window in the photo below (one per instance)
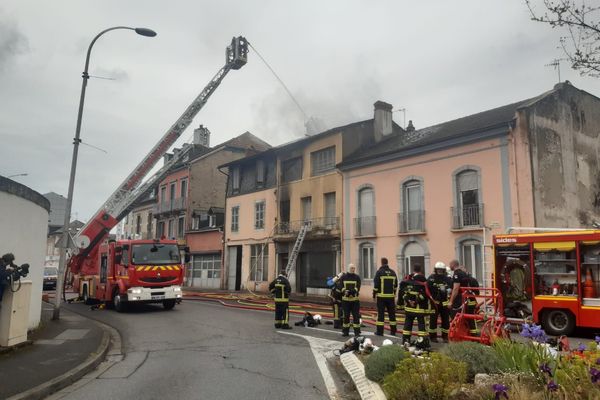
(291, 170)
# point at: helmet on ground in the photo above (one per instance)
(440, 265)
(387, 342)
(317, 317)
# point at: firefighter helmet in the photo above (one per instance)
(387, 342)
(440, 265)
(317, 318)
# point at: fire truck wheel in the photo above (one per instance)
(118, 302)
(558, 322)
(169, 304)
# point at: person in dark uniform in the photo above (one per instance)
(440, 284)
(413, 295)
(336, 300)
(350, 287)
(281, 289)
(385, 285)
(461, 279)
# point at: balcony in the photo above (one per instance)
(170, 206)
(469, 216)
(411, 221)
(365, 226)
(316, 226)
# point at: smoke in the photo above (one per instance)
(12, 41)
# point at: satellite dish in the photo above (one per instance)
(82, 241)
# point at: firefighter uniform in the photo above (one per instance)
(439, 284)
(281, 289)
(384, 289)
(413, 295)
(336, 303)
(350, 287)
(470, 302)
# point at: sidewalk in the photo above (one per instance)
(62, 352)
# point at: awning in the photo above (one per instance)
(559, 246)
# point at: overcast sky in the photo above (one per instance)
(439, 60)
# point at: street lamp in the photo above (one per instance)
(65, 234)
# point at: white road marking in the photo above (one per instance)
(319, 348)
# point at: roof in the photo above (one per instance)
(246, 141)
(492, 121)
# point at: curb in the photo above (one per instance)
(367, 389)
(69, 377)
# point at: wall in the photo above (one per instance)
(564, 133)
(24, 218)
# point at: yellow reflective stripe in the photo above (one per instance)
(560, 246)
(380, 323)
(381, 295)
(558, 298)
(169, 268)
(147, 268)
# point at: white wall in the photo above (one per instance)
(23, 230)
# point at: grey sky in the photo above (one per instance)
(438, 59)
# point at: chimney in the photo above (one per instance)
(382, 124)
(202, 136)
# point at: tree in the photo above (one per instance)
(581, 45)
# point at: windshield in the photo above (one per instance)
(48, 271)
(155, 254)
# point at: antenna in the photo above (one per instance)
(404, 116)
(556, 64)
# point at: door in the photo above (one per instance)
(234, 273)
(301, 274)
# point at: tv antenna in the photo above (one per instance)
(556, 64)
(403, 117)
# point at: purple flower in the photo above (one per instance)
(595, 375)
(598, 361)
(500, 390)
(546, 369)
(552, 386)
(597, 339)
(534, 332)
(581, 347)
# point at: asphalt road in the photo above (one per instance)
(203, 350)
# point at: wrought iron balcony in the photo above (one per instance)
(316, 226)
(168, 206)
(365, 226)
(467, 216)
(411, 221)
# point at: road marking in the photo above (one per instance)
(319, 348)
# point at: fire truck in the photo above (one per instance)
(553, 275)
(138, 271)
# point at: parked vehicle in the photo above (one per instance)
(50, 277)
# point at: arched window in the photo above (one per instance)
(470, 257)
(468, 210)
(412, 217)
(413, 255)
(365, 223)
(366, 259)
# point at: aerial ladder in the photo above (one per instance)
(132, 190)
(296, 249)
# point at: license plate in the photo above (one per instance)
(158, 297)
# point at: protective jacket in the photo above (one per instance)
(413, 294)
(350, 286)
(281, 289)
(385, 283)
(439, 286)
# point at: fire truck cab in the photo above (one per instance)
(555, 276)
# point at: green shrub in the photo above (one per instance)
(435, 378)
(522, 358)
(478, 357)
(383, 362)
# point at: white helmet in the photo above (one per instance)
(317, 317)
(387, 342)
(440, 265)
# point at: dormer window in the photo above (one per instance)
(260, 173)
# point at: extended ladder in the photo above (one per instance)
(292, 259)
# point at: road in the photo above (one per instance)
(202, 350)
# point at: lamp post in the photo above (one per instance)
(76, 141)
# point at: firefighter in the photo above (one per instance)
(384, 289)
(336, 300)
(413, 294)
(440, 284)
(281, 289)
(350, 287)
(461, 279)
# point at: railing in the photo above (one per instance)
(411, 221)
(467, 216)
(167, 206)
(315, 226)
(365, 226)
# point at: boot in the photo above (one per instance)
(393, 330)
(277, 326)
(406, 340)
(379, 330)
(346, 332)
(356, 331)
(286, 326)
(445, 337)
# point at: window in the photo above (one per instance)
(206, 266)
(365, 223)
(181, 227)
(212, 220)
(171, 229)
(322, 160)
(163, 194)
(329, 205)
(306, 208)
(183, 189)
(291, 170)
(470, 253)
(160, 229)
(259, 262)
(468, 198)
(367, 260)
(413, 255)
(235, 179)
(235, 218)
(259, 215)
(149, 226)
(260, 173)
(172, 192)
(412, 207)
(138, 224)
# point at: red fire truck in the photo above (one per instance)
(553, 275)
(128, 271)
